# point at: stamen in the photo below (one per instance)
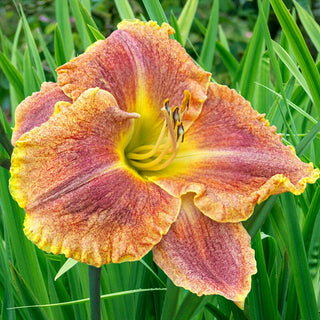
(176, 116)
(185, 102)
(170, 127)
(180, 131)
(135, 156)
(168, 162)
(148, 165)
(163, 152)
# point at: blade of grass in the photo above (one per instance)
(155, 11)
(277, 73)
(254, 223)
(49, 59)
(12, 74)
(309, 24)
(174, 24)
(314, 254)
(124, 9)
(171, 301)
(96, 33)
(191, 306)
(298, 260)
(87, 21)
(66, 267)
(186, 18)
(16, 57)
(209, 44)
(27, 295)
(261, 282)
(81, 27)
(228, 59)
(63, 20)
(290, 64)
(250, 64)
(30, 83)
(59, 50)
(32, 47)
(300, 50)
(313, 212)
(80, 301)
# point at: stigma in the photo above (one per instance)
(160, 155)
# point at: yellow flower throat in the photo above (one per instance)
(158, 156)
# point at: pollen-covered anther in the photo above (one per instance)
(160, 155)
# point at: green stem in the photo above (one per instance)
(94, 287)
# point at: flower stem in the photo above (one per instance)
(94, 288)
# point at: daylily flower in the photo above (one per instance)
(134, 149)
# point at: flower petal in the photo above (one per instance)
(141, 67)
(80, 197)
(37, 109)
(207, 257)
(233, 159)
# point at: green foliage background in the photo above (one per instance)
(268, 51)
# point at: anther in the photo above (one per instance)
(167, 107)
(180, 131)
(176, 116)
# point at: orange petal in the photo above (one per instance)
(207, 257)
(233, 159)
(141, 67)
(79, 196)
(37, 109)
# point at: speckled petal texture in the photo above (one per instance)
(80, 197)
(37, 109)
(207, 257)
(141, 67)
(232, 159)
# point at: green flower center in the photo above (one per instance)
(158, 156)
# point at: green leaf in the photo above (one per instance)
(190, 306)
(32, 48)
(63, 20)
(171, 301)
(228, 59)
(59, 47)
(80, 24)
(30, 83)
(309, 24)
(96, 34)
(12, 74)
(174, 24)
(209, 44)
(51, 63)
(124, 9)
(186, 18)
(298, 260)
(300, 50)
(291, 65)
(27, 296)
(250, 64)
(261, 281)
(254, 223)
(155, 11)
(66, 267)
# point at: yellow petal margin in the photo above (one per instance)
(207, 257)
(79, 196)
(37, 109)
(232, 159)
(141, 67)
